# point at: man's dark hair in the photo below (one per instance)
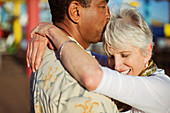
(59, 8)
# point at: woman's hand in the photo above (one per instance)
(42, 29)
(36, 46)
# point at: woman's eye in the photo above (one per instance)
(125, 55)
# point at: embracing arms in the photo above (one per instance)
(88, 72)
(143, 93)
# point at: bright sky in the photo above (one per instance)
(158, 10)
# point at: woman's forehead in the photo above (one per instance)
(123, 48)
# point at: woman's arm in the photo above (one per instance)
(149, 94)
(102, 59)
(82, 66)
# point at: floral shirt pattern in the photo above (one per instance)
(55, 91)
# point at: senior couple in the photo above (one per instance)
(68, 79)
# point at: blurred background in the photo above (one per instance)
(19, 17)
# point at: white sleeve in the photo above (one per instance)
(149, 94)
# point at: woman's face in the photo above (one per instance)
(127, 61)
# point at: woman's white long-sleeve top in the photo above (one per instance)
(148, 94)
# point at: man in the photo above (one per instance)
(53, 89)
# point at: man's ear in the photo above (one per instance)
(74, 10)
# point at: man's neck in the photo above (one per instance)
(70, 30)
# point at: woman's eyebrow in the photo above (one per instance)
(125, 52)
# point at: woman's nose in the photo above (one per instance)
(118, 64)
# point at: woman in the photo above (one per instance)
(135, 80)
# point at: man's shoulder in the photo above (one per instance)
(48, 53)
(50, 63)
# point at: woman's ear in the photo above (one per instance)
(74, 11)
(149, 49)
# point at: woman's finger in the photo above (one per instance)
(40, 50)
(27, 55)
(35, 47)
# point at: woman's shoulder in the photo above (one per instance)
(161, 73)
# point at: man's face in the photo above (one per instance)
(93, 21)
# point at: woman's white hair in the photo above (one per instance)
(127, 28)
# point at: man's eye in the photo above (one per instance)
(103, 6)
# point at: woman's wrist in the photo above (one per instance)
(62, 46)
(58, 37)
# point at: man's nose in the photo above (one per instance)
(107, 13)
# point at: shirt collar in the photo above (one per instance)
(75, 41)
(79, 45)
